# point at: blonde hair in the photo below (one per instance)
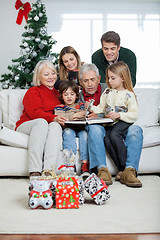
(122, 70)
(38, 68)
(63, 73)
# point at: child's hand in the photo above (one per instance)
(78, 115)
(113, 115)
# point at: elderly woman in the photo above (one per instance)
(38, 119)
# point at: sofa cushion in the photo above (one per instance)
(11, 106)
(15, 106)
(151, 136)
(14, 139)
(4, 106)
(148, 104)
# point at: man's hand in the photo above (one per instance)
(113, 115)
(92, 115)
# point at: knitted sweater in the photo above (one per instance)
(39, 102)
(123, 102)
(67, 111)
(125, 55)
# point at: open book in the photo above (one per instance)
(90, 121)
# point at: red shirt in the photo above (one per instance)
(39, 102)
(96, 96)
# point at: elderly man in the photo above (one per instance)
(112, 52)
(92, 89)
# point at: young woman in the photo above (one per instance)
(38, 120)
(70, 109)
(118, 102)
(69, 65)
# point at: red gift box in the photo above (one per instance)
(67, 193)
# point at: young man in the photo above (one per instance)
(92, 89)
(111, 52)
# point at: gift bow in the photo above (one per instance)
(24, 10)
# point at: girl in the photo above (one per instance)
(71, 110)
(69, 65)
(118, 102)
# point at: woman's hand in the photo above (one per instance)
(60, 120)
(113, 115)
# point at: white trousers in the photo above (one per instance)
(45, 143)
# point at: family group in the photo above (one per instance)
(58, 96)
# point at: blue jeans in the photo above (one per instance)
(96, 147)
(134, 143)
(69, 142)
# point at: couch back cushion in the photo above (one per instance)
(11, 106)
(148, 106)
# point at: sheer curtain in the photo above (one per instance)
(81, 25)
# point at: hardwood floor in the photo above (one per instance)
(153, 236)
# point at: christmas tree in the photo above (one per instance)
(36, 45)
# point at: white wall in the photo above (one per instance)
(10, 35)
(11, 32)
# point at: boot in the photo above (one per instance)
(129, 178)
(104, 174)
(118, 176)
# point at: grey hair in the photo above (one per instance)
(38, 68)
(87, 67)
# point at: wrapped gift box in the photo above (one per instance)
(97, 189)
(40, 194)
(67, 193)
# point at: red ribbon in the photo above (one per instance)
(104, 186)
(63, 166)
(24, 10)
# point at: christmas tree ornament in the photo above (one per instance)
(5, 86)
(27, 49)
(26, 70)
(16, 78)
(25, 44)
(43, 31)
(24, 10)
(37, 39)
(36, 18)
(34, 54)
(40, 14)
(41, 46)
(44, 42)
(30, 30)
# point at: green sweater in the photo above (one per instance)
(125, 55)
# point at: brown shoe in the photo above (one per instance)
(118, 176)
(129, 178)
(104, 174)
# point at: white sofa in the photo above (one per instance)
(13, 145)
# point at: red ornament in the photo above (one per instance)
(24, 10)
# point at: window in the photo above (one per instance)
(81, 25)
